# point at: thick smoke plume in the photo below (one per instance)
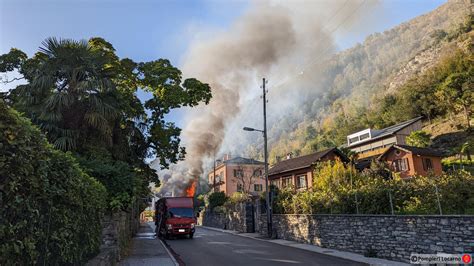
(273, 39)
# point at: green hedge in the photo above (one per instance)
(51, 209)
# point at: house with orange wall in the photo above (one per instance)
(409, 161)
(237, 174)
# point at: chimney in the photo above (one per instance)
(289, 155)
(226, 157)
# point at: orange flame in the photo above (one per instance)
(191, 190)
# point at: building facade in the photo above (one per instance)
(372, 142)
(409, 161)
(237, 175)
(298, 172)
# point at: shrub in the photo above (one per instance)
(217, 199)
(51, 209)
(332, 193)
(118, 178)
(239, 197)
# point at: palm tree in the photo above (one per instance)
(70, 92)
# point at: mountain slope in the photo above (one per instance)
(353, 81)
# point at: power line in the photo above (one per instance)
(337, 12)
(326, 49)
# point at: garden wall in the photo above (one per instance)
(117, 232)
(390, 237)
(240, 218)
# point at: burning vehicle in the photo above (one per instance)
(175, 216)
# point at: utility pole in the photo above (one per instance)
(265, 151)
(214, 182)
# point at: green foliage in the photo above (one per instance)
(117, 176)
(235, 200)
(238, 197)
(84, 98)
(217, 199)
(51, 210)
(201, 199)
(12, 60)
(339, 189)
(81, 93)
(465, 163)
(419, 138)
(457, 92)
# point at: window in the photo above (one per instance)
(181, 212)
(354, 139)
(401, 165)
(286, 181)
(257, 187)
(427, 164)
(301, 181)
(238, 173)
(258, 172)
(364, 136)
(240, 187)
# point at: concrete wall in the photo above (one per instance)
(390, 237)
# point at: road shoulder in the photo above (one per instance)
(326, 251)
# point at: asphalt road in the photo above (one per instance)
(211, 247)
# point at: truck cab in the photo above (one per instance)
(175, 216)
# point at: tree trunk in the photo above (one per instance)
(468, 116)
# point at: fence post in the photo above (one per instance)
(391, 202)
(437, 198)
(357, 203)
(355, 194)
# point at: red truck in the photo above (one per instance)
(175, 216)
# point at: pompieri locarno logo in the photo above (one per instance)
(467, 258)
(440, 258)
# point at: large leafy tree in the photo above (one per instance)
(458, 93)
(84, 97)
(419, 138)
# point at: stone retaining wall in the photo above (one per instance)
(240, 218)
(390, 237)
(117, 232)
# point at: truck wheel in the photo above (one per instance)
(191, 235)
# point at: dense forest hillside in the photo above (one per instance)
(403, 72)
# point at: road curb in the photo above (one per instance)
(326, 251)
(169, 252)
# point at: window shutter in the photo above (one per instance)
(407, 164)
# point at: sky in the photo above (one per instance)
(146, 30)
